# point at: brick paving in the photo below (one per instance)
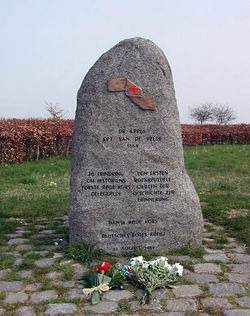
(40, 281)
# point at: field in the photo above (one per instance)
(220, 174)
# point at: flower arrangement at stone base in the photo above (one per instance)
(148, 275)
(102, 279)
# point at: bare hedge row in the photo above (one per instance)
(215, 134)
(27, 140)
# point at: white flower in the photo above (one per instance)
(179, 268)
(134, 260)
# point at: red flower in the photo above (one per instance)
(104, 266)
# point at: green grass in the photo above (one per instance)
(220, 174)
(197, 252)
(84, 253)
(39, 188)
(6, 228)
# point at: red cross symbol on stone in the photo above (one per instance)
(133, 90)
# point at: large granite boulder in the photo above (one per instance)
(129, 187)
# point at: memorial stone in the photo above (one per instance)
(129, 187)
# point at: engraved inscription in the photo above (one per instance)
(146, 186)
(132, 137)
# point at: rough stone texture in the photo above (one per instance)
(17, 241)
(243, 301)
(4, 272)
(180, 258)
(63, 284)
(26, 274)
(137, 153)
(79, 272)
(154, 305)
(239, 257)
(53, 275)
(47, 231)
(216, 257)
(43, 296)
(207, 268)
(75, 294)
(200, 278)
(18, 261)
(240, 268)
(4, 248)
(23, 247)
(57, 255)
(61, 308)
(128, 315)
(46, 262)
(169, 314)
(40, 226)
(216, 302)
(238, 277)
(226, 289)
(14, 235)
(32, 287)
(39, 253)
(209, 250)
(25, 311)
(13, 286)
(117, 295)
(182, 305)
(237, 312)
(16, 298)
(158, 293)
(187, 291)
(103, 307)
(240, 249)
(2, 311)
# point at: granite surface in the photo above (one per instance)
(129, 187)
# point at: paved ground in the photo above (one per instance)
(36, 280)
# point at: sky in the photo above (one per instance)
(47, 47)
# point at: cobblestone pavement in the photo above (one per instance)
(35, 278)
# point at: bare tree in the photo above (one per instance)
(223, 114)
(55, 110)
(202, 113)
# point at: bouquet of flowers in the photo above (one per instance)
(101, 279)
(151, 275)
(148, 275)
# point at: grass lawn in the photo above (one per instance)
(220, 174)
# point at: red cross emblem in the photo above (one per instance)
(133, 90)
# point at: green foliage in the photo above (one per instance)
(94, 279)
(123, 306)
(27, 180)
(152, 277)
(117, 277)
(239, 227)
(6, 227)
(197, 252)
(84, 253)
(209, 227)
(6, 261)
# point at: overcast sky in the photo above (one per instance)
(47, 47)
